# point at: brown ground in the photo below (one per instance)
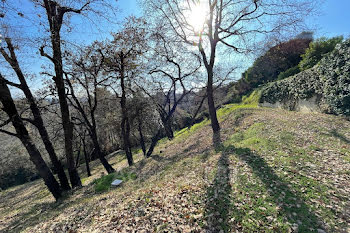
(172, 189)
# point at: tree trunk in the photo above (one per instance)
(166, 117)
(100, 155)
(193, 118)
(125, 125)
(22, 133)
(77, 162)
(38, 120)
(87, 160)
(142, 140)
(165, 120)
(53, 157)
(55, 15)
(91, 126)
(93, 129)
(154, 142)
(68, 134)
(125, 128)
(212, 110)
(168, 130)
(167, 126)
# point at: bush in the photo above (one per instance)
(233, 99)
(329, 81)
(317, 50)
(18, 176)
(290, 72)
(267, 68)
(276, 60)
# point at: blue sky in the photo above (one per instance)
(333, 20)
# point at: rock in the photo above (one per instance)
(295, 227)
(320, 231)
(116, 182)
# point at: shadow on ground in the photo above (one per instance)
(220, 204)
(217, 208)
(292, 206)
(35, 214)
(338, 135)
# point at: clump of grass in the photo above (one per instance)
(253, 98)
(103, 184)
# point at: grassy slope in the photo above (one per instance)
(277, 171)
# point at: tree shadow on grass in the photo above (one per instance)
(338, 135)
(292, 205)
(217, 209)
(28, 218)
(37, 213)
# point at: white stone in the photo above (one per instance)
(116, 182)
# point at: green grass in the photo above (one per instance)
(270, 193)
(185, 132)
(263, 181)
(249, 101)
(103, 184)
(253, 98)
(346, 154)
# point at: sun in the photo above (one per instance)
(197, 16)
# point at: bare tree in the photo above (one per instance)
(122, 63)
(212, 25)
(144, 119)
(172, 69)
(55, 15)
(87, 76)
(9, 107)
(10, 57)
(87, 157)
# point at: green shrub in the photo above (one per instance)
(267, 67)
(17, 176)
(276, 60)
(104, 183)
(317, 50)
(290, 72)
(252, 98)
(329, 81)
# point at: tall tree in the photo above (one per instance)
(55, 16)
(11, 58)
(9, 107)
(210, 24)
(122, 61)
(86, 75)
(172, 70)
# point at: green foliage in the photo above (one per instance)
(290, 72)
(276, 60)
(253, 98)
(18, 176)
(104, 183)
(317, 50)
(186, 132)
(329, 81)
(267, 68)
